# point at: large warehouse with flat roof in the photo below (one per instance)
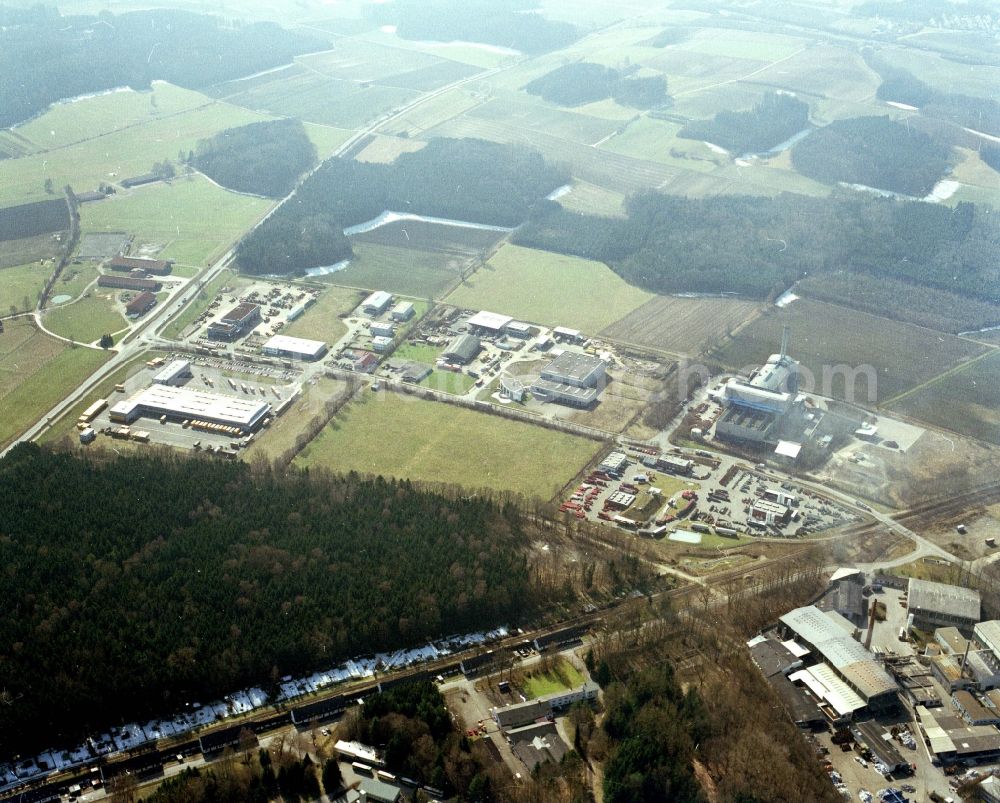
(934, 605)
(295, 348)
(579, 370)
(184, 404)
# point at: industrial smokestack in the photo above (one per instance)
(785, 335)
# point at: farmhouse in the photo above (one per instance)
(140, 305)
(463, 349)
(182, 404)
(377, 303)
(235, 323)
(294, 348)
(157, 267)
(129, 283)
(934, 605)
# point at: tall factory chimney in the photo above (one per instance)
(785, 336)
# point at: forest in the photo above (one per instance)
(991, 156)
(757, 247)
(29, 220)
(45, 57)
(461, 179)
(507, 23)
(146, 582)
(264, 158)
(874, 151)
(901, 86)
(579, 83)
(776, 118)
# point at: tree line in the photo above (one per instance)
(874, 151)
(581, 82)
(462, 179)
(506, 23)
(777, 117)
(143, 583)
(264, 158)
(902, 86)
(757, 247)
(45, 57)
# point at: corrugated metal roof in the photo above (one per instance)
(824, 683)
(925, 595)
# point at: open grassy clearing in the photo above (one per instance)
(966, 401)
(321, 321)
(534, 113)
(69, 122)
(681, 325)
(74, 279)
(191, 219)
(944, 74)
(417, 352)
(30, 249)
(622, 402)
(116, 155)
(562, 676)
(548, 288)
(20, 286)
(36, 371)
(384, 149)
(318, 98)
(402, 436)
(901, 355)
(406, 271)
(448, 382)
(326, 138)
(86, 319)
(464, 52)
(589, 199)
(280, 436)
(657, 141)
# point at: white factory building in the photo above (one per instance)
(488, 323)
(756, 405)
(183, 404)
(295, 348)
(572, 379)
(176, 372)
(377, 303)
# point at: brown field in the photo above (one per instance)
(681, 325)
(622, 402)
(384, 149)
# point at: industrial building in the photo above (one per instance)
(560, 393)
(140, 305)
(294, 348)
(578, 370)
(183, 404)
(381, 344)
(764, 513)
(850, 678)
(402, 312)
(377, 303)
(565, 335)
(462, 349)
(176, 373)
(523, 331)
(415, 372)
(614, 463)
(129, 283)
(520, 714)
(235, 323)
(845, 595)
(973, 711)
(488, 323)
(756, 406)
(157, 267)
(952, 740)
(382, 329)
(933, 605)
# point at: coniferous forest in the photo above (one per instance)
(264, 158)
(138, 584)
(776, 118)
(462, 179)
(759, 246)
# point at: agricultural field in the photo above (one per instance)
(681, 325)
(36, 371)
(384, 150)
(547, 288)
(87, 318)
(20, 286)
(483, 56)
(943, 74)
(589, 199)
(190, 220)
(402, 436)
(281, 435)
(827, 337)
(966, 400)
(321, 321)
(326, 138)
(30, 249)
(117, 154)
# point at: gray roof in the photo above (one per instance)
(560, 390)
(925, 595)
(773, 657)
(463, 347)
(572, 367)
